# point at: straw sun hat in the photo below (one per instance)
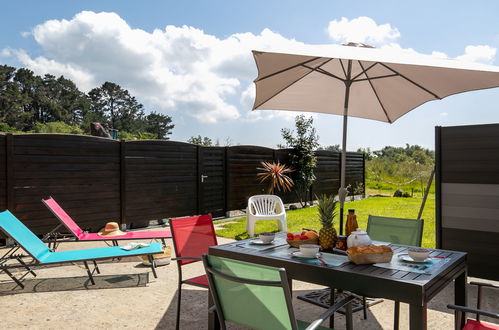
(111, 229)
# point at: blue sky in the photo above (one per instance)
(191, 59)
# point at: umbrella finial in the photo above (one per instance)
(357, 44)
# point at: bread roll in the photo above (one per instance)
(368, 249)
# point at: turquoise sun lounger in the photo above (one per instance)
(42, 255)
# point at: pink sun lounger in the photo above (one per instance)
(79, 235)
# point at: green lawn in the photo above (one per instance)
(307, 218)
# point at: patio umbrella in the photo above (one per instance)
(364, 82)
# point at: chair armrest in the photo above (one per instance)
(488, 285)
(473, 311)
(324, 316)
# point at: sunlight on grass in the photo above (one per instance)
(307, 218)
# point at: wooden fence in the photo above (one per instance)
(97, 180)
(467, 195)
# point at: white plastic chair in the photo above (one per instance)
(265, 207)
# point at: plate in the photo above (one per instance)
(407, 258)
(298, 254)
(260, 242)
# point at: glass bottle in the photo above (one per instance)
(351, 223)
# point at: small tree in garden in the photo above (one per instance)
(276, 175)
(302, 157)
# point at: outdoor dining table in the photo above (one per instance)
(412, 287)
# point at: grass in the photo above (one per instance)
(307, 217)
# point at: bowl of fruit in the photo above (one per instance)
(307, 236)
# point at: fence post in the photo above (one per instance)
(227, 181)
(438, 186)
(198, 179)
(9, 170)
(226, 169)
(123, 183)
(364, 174)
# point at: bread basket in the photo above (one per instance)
(370, 257)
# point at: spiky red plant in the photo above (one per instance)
(276, 176)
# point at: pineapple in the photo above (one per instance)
(327, 212)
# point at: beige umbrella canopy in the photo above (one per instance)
(364, 82)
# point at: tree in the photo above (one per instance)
(11, 101)
(302, 156)
(334, 147)
(159, 124)
(202, 141)
(114, 106)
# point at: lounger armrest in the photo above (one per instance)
(473, 311)
(324, 316)
(187, 258)
(488, 285)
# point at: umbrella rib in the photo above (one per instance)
(287, 69)
(324, 72)
(412, 81)
(379, 77)
(364, 71)
(343, 67)
(376, 94)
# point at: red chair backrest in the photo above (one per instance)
(62, 216)
(192, 236)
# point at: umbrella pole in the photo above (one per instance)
(342, 192)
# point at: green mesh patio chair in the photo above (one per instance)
(384, 229)
(396, 231)
(258, 297)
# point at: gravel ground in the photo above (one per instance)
(128, 296)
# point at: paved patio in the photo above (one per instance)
(126, 295)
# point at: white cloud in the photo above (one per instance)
(6, 52)
(178, 69)
(480, 53)
(444, 114)
(181, 68)
(362, 29)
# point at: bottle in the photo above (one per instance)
(351, 224)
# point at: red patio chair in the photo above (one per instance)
(78, 234)
(191, 238)
(475, 324)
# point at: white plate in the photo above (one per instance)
(298, 254)
(260, 242)
(407, 258)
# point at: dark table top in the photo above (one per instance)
(372, 281)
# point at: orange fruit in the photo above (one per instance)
(311, 234)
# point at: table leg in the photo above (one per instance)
(213, 322)
(460, 293)
(418, 317)
(331, 303)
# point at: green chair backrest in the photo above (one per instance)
(22, 235)
(243, 297)
(395, 230)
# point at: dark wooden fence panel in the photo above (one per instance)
(80, 172)
(354, 168)
(327, 173)
(97, 180)
(161, 181)
(242, 164)
(211, 181)
(244, 161)
(467, 195)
